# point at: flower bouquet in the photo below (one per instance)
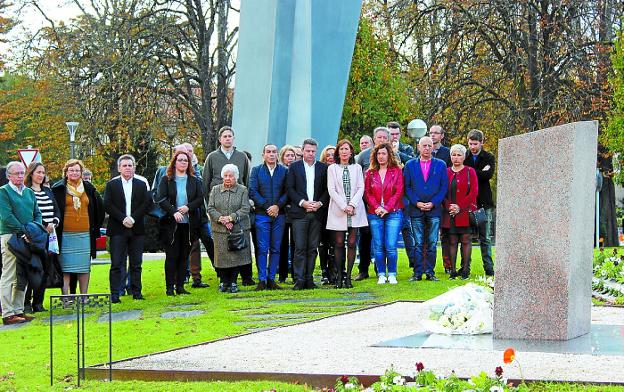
(465, 310)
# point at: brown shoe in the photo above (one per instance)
(271, 285)
(25, 317)
(10, 320)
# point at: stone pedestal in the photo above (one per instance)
(544, 233)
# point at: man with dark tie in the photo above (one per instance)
(306, 184)
(126, 201)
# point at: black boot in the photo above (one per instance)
(348, 283)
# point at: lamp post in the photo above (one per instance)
(71, 127)
(170, 131)
(416, 129)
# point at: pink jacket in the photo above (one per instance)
(392, 190)
(336, 217)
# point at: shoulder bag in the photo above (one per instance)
(478, 216)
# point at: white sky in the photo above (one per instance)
(30, 20)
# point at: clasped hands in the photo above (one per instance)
(349, 210)
(380, 212)
(311, 206)
(428, 206)
(226, 221)
(273, 211)
(179, 214)
(454, 209)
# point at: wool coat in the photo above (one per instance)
(336, 217)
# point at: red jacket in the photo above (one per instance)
(392, 190)
(464, 198)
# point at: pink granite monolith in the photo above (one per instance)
(544, 233)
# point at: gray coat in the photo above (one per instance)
(235, 203)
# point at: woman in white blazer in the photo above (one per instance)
(345, 185)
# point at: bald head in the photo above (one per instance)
(425, 146)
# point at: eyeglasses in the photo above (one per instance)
(181, 160)
(74, 170)
(20, 173)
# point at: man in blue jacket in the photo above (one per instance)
(267, 189)
(426, 183)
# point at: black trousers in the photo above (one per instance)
(364, 247)
(227, 276)
(176, 257)
(307, 234)
(122, 247)
(36, 296)
(287, 252)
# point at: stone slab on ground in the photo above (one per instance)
(544, 233)
(358, 332)
(182, 314)
(63, 317)
(121, 316)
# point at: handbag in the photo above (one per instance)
(477, 216)
(53, 245)
(237, 240)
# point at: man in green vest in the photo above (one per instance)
(18, 206)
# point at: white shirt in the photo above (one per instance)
(271, 170)
(127, 188)
(309, 172)
(16, 189)
(228, 154)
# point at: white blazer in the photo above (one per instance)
(336, 217)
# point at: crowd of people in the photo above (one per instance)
(289, 209)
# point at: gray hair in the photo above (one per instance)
(232, 168)
(309, 141)
(458, 147)
(11, 164)
(124, 157)
(367, 138)
(382, 129)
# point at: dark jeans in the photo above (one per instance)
(408, 239)
(307, 233)
(36, 296)
(425, 228)
(485, 242)
(287, 253)
(176, 257)
(364, 246)
(122, 247)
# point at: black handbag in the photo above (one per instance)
(237, 240)
(478, 216)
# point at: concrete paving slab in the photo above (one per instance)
(361, 331)
(182, 314)
(121, 316)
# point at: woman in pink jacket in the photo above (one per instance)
(345, 185)
(384, 197)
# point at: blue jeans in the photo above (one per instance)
(485, 242)
(385, 233)
(408, 239)
(269, 232)
(422, 226)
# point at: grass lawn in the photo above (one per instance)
(24, 358)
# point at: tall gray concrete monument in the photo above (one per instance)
(292, 70)
(544, 233)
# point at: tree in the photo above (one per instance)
(5, 25)
(376, 92)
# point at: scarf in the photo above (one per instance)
(76, 193)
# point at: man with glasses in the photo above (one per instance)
(18, 206)
(426, 183)
(404, 151)
(436, 133)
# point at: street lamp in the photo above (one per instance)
(416, 129)
(170, 131)
(71, 127)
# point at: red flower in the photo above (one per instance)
(419, 366)
(498, 371)
(509, 355)
(344, 379)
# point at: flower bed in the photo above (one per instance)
(608, 280)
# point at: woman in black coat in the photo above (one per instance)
(180, 195)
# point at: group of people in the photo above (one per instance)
(290, 209)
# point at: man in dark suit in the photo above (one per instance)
(306, 185)
(126, 201)
(484, 163)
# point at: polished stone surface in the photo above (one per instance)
(601, 340)
(544, 229)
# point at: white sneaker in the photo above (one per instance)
(392, 279)
(381, 279)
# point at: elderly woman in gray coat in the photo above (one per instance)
(228, 208)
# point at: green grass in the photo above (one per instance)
(24, 358)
